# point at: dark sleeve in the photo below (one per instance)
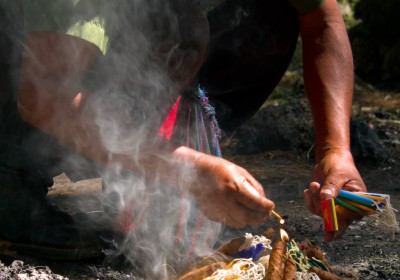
(305, 6)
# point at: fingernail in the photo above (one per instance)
(327, 192)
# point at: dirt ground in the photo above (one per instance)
(368, 250)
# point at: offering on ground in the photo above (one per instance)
(251, 257)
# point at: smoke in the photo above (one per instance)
(152, 50)
(155, 53)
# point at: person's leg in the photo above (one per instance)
(252, 44)
(28, 220)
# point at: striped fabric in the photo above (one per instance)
(198, 129)
(161, 218)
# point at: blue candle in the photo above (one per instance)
(356, 198)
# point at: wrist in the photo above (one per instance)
(187, 154)
(193, 163)
(322, 152)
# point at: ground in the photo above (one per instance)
(368, 250)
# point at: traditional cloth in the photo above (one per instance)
(197, 129)
(161, 224)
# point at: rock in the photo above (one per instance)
(365, 144)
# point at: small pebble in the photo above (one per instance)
(373, 273)
(357, 237)
(362, 224)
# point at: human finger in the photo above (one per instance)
(314, 186)
(331, 187)
(248, 216)
(235, 215)
(345, 218)
(249, 197)
(309, 202)
(255, 184)
(334, 183)
(311, 197)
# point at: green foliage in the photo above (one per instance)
(297, 61)
(347, 9)
(376, 42)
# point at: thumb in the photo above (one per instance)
(330, 188)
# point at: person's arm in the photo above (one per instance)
(328, 78)
(52, 98)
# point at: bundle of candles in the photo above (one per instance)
(252, 257)
(365, 204)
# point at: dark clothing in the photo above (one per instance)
(251, 45)
(16, 148)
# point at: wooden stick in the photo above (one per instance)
(281, 220)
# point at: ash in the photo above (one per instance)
(19, 270)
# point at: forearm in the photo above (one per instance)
(328, 76)
(75, 127)
(53, 98)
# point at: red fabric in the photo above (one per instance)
(168, 125)
(125, 220)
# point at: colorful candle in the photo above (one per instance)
(356, 198)
(329, 215)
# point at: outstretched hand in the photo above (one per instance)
(336, 171)
(227, 193)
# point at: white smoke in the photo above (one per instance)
(152, 50)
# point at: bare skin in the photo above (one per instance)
(53, 99)
(224, 191)
(328, 76)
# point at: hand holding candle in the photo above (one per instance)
(360, 203)
(334, 171)
(225, 192)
